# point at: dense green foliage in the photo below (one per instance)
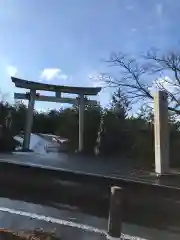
(124, 135)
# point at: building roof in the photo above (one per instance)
(21, 83)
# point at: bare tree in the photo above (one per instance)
(137, 76)
(120, 104)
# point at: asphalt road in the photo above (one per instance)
(111, 168)
(68, 223)
(13, 214)
(19, 215)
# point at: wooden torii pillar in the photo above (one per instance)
(81, 122)
(29, 119)
(32, 96)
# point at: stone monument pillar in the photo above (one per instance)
(161, 133)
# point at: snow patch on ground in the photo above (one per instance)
(38, 144)
(18, 139)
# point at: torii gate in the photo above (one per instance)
(33, 96)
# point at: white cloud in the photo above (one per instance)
(166, 83)
(63, 76)
(96, 79)
(49, 74)
(11, 70)
(159, 9)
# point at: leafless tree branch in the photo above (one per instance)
(169, 61)
(134, 75)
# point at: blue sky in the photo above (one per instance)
(64, 41)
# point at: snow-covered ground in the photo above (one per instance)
(39, 144)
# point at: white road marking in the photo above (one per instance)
(52, 220)
(65, 223)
